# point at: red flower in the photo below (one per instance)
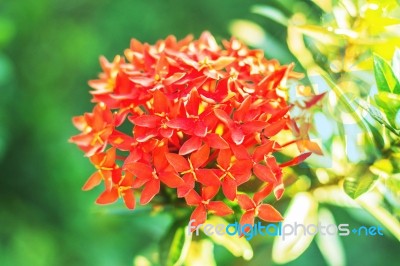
(151, 176)
(203, 204)
(243, 122)
(106, 167)
(232, 173)
(153, 125)
(187, 117)
(96, 127)
(254, 207)
(197, 124)
(122, 188)
(191, 171)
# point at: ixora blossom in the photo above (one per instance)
(192, 120)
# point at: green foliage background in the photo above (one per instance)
(48, 51)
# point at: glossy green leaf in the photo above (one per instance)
(355, 187)
(377, 135)
(390, 105)
(384, 76)
(376, 114)
(174, 246)
(396, 64)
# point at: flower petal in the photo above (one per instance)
(180, 123)
(192, 105)
(264, 173)
(223, 62)
(296, 160)
(240, 152)
(207, 177)
(171, 179)
(173, 78)
(229, 188)
(129, 199)
(93, 181)
(148, 121)
(237, 135)
(216, 141)
(310, 145)
(274, 128)
(141, 170)
(200, 129)
(200, 157)
(151, 189)
(278, 191)
(241, 170)
(260, 195)
(178, 162)
(183, 190)
(314, 100)
(192, 144)
(269, 214)
(193, 198)
(199, 216)
(166, 132)
(240, 113)
(245, 202)
(224, 158)
(219, 208)
(160, 102)
(224, 117)
(207, 193)
(253, 126)
(262, 150)
(108, 196)
(247, 218)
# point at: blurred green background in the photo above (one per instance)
(48, 52)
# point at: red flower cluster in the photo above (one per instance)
(202, 118)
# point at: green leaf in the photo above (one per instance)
(174, 246)
(396, 63)
(355, 187)
(271, 13)
(384, 76)
(377, 135)
(390, 105)
(377, 115)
